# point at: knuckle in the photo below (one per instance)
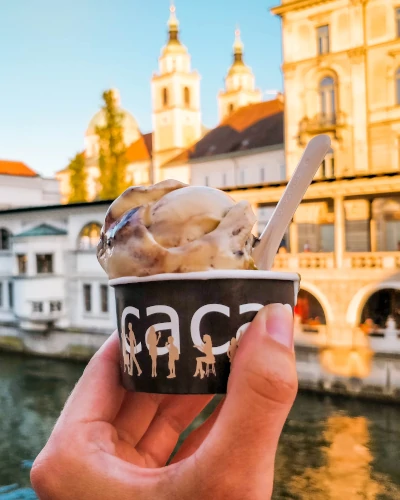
(50, 470)
(275, 381)
(44, 477)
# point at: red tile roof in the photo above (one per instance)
(137, 151)
(16, 168)
(248, 115)
(253, 126)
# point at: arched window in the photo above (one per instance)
(5, 239)
(89, 236)
(231, 108)
(186, 96)
(397, 77)
(327, 96)
(165, 96)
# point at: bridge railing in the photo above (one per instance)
(310, 335)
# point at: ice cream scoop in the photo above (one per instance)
(171, 227)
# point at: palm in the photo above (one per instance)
(147, 428)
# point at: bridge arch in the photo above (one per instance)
(320, 297)
(360, 299)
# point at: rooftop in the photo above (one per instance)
(141, 149)
(385, 176)
(254, 126)
(17, 168)
(42, 230)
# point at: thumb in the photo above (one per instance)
(261, 390)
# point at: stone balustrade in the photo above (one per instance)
(372, 260)
(351, 260)
(304, 261)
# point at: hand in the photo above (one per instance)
(109, 443)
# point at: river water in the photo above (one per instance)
(331, 448)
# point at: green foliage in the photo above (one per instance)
(112, 150)
(77, 180)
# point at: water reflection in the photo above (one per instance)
(330, 448)
(347, 471)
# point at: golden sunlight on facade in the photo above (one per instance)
(341, 67)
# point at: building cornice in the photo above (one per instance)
(280, 10)
(367, 186)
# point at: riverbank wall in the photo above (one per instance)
(354, 371)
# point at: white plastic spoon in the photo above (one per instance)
(270, 239)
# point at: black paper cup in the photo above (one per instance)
(179, 332)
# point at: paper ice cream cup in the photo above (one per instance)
(179, 332)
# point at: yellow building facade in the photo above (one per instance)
(341, 67)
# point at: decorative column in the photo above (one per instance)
(340, 240)
(372, 229)
(294, 238)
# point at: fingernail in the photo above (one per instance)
(279, 323)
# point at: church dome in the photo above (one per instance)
(129, 124)
(99, 120)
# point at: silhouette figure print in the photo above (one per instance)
(152, 342)
(132, 343)
(126, 356)
(233, 347)
(173, 356)
(208, 359)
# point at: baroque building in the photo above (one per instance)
(239, 84)
(341, 78)
(178, 129)
(176, 101)
(341, 66)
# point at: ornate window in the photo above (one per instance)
(323, 39)
(5, 239)
(327, 95)
(165, 96)
(186, 97)
(89, 236)
(397, 78)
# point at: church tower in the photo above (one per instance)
(239, 84)
(175, 100)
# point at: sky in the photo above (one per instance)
(57, 57)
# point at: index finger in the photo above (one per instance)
(99, 394)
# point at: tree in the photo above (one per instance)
(112, 150)
(77, 180)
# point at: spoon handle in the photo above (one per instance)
(270, 239)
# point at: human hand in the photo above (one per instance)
(109, 443)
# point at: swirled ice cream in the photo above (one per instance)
(171, 227)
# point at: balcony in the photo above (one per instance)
(372, 260)
(305, 261)
(351, 260)
(321, 124)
